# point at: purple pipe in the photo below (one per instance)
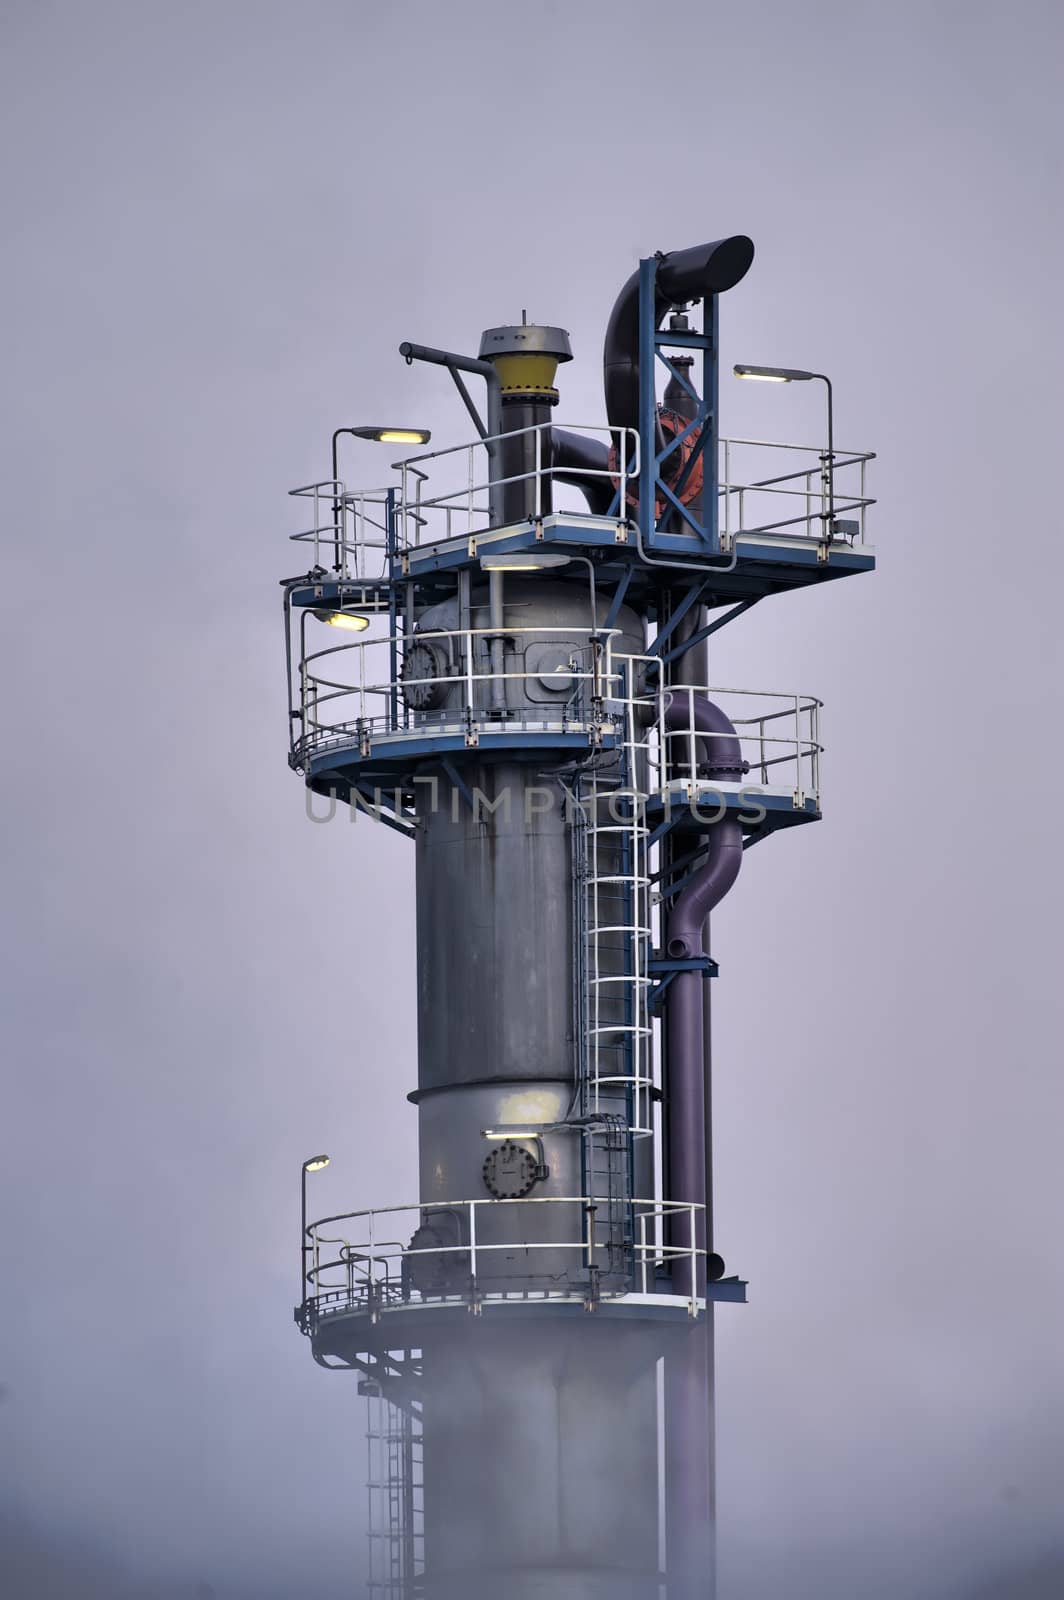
(707, 888)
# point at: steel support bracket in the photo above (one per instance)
(671, 965)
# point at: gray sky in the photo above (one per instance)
(222, 220)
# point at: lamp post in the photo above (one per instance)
(381, 436)
(827, 467)
(312, 1164)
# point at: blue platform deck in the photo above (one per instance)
(764, 562)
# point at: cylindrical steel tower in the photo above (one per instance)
(523, 693)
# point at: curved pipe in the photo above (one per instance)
(686, 1079)
(682, 276)
(583, 462)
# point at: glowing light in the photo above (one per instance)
(315, 1164)
(393, 435)
(520, 561)
(352, 621)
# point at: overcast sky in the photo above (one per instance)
(222, 219)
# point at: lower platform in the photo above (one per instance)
(345, 1329)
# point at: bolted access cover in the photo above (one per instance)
(510, 1171)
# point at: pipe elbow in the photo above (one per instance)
(705, 891)
(583, 463)
(682, 276)
(724, 756)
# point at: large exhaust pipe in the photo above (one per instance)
(682, 276)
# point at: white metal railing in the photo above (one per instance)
(778, 735)
(460, 505)
(764, 487)
(349, 534)
(767, 487)
(362, 1259)
(440, 683)
(437, 681)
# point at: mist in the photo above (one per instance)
(222, 219)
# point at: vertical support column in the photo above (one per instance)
(690, 1420)
(648, 425)
(393, 617)
(710, 400)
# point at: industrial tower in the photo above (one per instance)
(502, 654)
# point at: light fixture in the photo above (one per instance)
(352, 621)
(311, 1164)
(827, 459)
(523, 561)
(774, 374)
(382, 436)
(392, 435)
(513, 1133)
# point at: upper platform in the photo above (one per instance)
(780, 527)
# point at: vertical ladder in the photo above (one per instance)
(395, 1484)
(616, 934)
(607, 1160)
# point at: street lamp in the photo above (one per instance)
(381, 436)
(312, 1164)
(797, 375)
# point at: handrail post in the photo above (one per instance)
(538, 503)
(691, 742)
(694, 1251)
(362, 682)
(825, 492)
(622, 481)
(473, 1245)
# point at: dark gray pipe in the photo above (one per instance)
(578, 460)
(683, 276)
(686, 1089)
